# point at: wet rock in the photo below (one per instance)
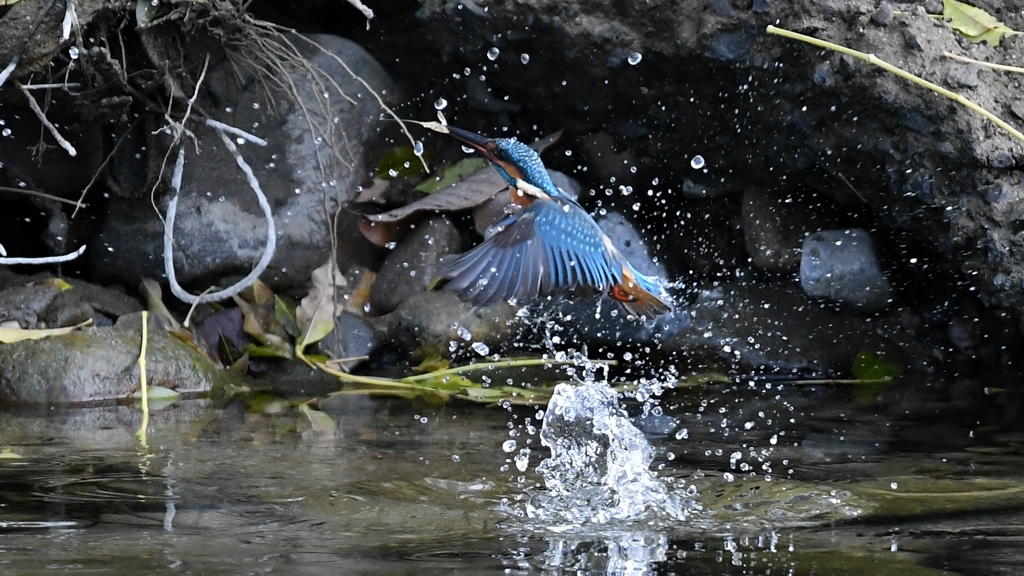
(884, 15)
(438, 323)
(414, 263)
(220, 229)
(841, 265)
(24, 304)
(602, 324)
(56, 303)
(730, 46)
(630, 243)
(773, 328)
(352, 336)
(99, 364)
(88, 301)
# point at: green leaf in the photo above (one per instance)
(284, 311)
(974, 23)
(452, 175)
(867, 366)
(399, 162)
(316, 423)
(158, 393)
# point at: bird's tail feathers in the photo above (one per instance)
(641, 295)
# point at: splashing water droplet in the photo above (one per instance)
(634, 58)
(73, 52)
(697, 162)
(480, 348)
(417, 148)
(524, 58)
(508, 445)
(492, 54)
(441, 104)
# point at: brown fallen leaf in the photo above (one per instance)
(317, 311)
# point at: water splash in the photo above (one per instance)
(599, 469)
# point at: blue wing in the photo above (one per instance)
(547, 246)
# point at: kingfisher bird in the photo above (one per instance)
(550, 243)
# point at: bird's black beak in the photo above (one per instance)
(482, 144)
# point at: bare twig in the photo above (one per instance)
(39, 195)
(99, 171)
(45, 259)
(1001, 67)
(67, 146)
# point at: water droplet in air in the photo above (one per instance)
(525, 58)
(417, 148)
(6, 132)
(480, 348)
(697, 162)
(73, 52)
(393, 173)
(634, 58)
(508, 445)
(441, 104)
(492, 54)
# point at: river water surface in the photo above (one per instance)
(750, 478)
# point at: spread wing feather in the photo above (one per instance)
(546, 246)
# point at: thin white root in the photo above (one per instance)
(46, 122)
(6, 72)
(362, 8)
(70, 20)
(172, 208)
(54, 86)
(222, 127)
(43, 260)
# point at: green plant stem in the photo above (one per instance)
(837, 381)
(872, 59)
(519, 362)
